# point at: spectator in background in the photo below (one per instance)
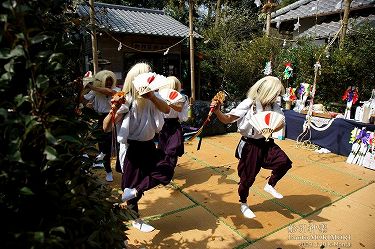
(101, 87)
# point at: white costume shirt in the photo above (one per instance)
(140, 125)
(101, 103)
(245, 110)
(183, 115)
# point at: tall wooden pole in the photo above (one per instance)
(93, 37)
(191, 36)
(217, 12)
(345, 21)
(268, 22)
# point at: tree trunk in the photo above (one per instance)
(268, 21)
(210, 10)
(191, 36)
(345, 21)
(218, 12)
(93, 37)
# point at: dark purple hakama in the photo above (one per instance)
(171, 140)
(257, 154)
(146, 167)
(105, 144)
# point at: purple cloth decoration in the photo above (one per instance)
(301, 90)
(363, 136)
(350, 95)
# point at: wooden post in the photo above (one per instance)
(268, 22)
(217, 12)
(345, 21)
(93, 37)
(191, 36)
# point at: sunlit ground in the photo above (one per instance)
(326, 202)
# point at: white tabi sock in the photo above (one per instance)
(246, 211)
(129, 193)
(269, 189)
(142, 226)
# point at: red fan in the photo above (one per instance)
(171, 96)
(266, 122)
(148, 82)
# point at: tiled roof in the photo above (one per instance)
(123, 19)
(290, 7)
(311, 8)
(325, 30)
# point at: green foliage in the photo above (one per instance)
(235, 65)
(341, 68)
(178, 11)
(253, 56)
(302, 55)
(48, 196)
(224, 62)
(359, 47)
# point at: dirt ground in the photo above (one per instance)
(327, 203)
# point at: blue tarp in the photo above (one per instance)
(335, 138)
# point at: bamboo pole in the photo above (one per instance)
(191, 39)
(268, 22)
(217, 12)
(93, 37)
(345, 21)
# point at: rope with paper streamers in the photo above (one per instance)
(165, 50)
(317, 128)
(306, 130)
(102, 25)
(301, 141)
